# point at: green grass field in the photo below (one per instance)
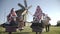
(28, 30)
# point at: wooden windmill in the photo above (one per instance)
(24, 10)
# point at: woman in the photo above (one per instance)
(11, 18)
(37, 24)
(20, 23)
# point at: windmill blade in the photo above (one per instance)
(20, 5)
(30, 13)
(29, 7)
(25, 3)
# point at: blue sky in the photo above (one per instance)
(50, 7)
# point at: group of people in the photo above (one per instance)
(13, 22)
(40, 20)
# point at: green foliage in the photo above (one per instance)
(58, 23)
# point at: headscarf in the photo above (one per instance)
(38, 13)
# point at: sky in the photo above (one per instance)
(50, 7)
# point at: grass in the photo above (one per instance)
(28, 30)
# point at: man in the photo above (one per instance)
(46, 20)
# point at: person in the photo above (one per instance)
(48, 25)
(21, 23)
(11, 18)
(37, 24)
(46, 20)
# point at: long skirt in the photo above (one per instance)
(21, 25)
(37, 27)
(10, 29)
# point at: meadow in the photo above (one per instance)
(28, 30)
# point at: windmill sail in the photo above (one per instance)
(25, 3)
(21, 5)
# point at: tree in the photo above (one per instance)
(58, 23)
